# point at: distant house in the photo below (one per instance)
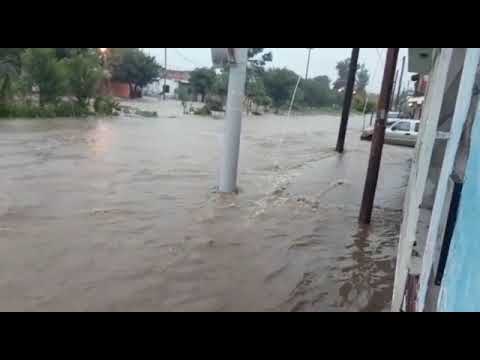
(415, 100)
(175, 79)
(118, 89)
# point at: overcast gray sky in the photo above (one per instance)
(323, 60)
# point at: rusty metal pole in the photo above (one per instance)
(347, 102)
(378, 137)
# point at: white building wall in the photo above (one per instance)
(156, 88)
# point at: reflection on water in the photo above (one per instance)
(367, 281)
(120, 214)
(100, 138)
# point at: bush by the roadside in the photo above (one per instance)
(214, 103)
(359, 104)
(145, 113)
(106, 105)
(30, 110)
(25, 111)
(42, 70)
(203, 111)
(4, 111)
(71, 109)
(371, 106)
(84, 76)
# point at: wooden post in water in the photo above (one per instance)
(378, 137)
(347, 102)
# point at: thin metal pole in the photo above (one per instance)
(308, 63)
(165, 77)
(233, 122)
(378, 137)
(347, 102)
(292, 101)
(397, 104)
(393, 90)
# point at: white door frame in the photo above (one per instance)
(419, 172)
(440, 205)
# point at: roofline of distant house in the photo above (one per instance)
(178, 75)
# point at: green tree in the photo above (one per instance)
(363, 78)
(317, 91)
(255, 73)
(279, 84)
(8, 72)
(134, 67)
(62, 53)
(255, 85)
(10, 66)
(299, 102)
(256, 94)
(182, 94)
(202, 81)
(84, 74)
(220, 86)
(342, 71)
(257, 56)
(361, 83)
(42, 69)
(253, 89)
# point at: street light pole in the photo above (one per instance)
(233, 122)
(308, 63)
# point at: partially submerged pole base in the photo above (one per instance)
(369, 190)
(378, 137)
(233, 122)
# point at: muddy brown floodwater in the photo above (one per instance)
(120, 215)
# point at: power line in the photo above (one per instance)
(186, 58)
(379, 61)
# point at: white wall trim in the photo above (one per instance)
(462, 106)
(419, 172)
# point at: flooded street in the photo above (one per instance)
(121, 215)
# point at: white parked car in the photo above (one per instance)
(393, 115)
(398, 132)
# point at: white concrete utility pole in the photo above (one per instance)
(233, 121)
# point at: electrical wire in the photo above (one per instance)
(186, 58)
(380, 59)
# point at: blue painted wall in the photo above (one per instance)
(460, 289)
